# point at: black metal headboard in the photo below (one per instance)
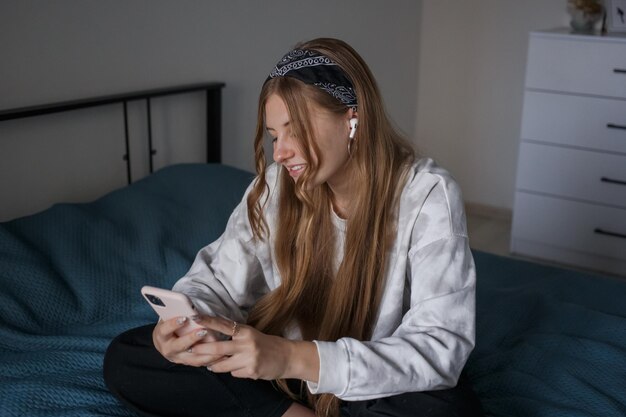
(213, 114)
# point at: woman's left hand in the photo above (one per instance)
(250, 353)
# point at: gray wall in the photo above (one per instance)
(471, 83)
(67, 49)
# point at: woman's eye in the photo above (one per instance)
(270, 137)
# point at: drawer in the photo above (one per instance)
(571, 225)
(572, 173)
(577, 64)
(588, 122)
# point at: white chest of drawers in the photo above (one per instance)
(570, 196)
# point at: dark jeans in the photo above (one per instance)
(145, 381)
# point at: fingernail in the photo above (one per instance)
(201, 333)
(181, 320)
(208, 368)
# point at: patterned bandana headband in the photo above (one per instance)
(314, 68)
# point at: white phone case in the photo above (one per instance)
(169, 304)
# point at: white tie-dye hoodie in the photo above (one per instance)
(425, 329)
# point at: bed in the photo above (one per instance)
(550, 341)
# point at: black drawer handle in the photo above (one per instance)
(608, 233)
(615, 126)
(619, 71)
(612, 181)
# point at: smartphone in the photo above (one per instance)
(169, 304)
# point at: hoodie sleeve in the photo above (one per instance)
(429, 348)
(226, 277)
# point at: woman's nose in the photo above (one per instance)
(282, 150)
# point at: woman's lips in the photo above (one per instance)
(295, 170)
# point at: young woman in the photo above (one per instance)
(344, 278)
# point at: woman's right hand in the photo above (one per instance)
(179, 349)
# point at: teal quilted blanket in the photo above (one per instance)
(550, 342)
(70, 279)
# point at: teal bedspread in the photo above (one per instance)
(550, 342)
(70, 279)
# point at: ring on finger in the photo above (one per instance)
(235, 329)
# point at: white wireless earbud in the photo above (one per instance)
(354, 122)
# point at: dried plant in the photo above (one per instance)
(588, 7)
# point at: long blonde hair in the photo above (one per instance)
(325, 305)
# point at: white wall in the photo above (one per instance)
(471, 80)
(67, 49)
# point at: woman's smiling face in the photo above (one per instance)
(330, 133)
